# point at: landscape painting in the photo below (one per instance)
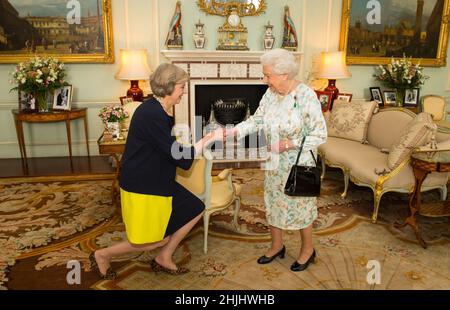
(373, 31)
(70, 30)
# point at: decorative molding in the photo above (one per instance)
(209, 56)
(156, 30)
(330, 10)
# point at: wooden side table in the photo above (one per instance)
(49, 117)
(113, 148)
(423, 164)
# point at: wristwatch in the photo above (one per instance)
(286, 144)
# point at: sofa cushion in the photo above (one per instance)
(386, 127)
(350, 120)
(417, 133)
(342, 152)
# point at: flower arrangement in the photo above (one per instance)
(39, 76)
(401, 74)
(111, 113)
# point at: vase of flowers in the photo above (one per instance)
(401, 74)
(39, 76)
(112, 116)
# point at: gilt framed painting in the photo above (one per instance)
(374, 31)
(74, 31)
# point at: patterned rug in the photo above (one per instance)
(46, 224)
(36, 211)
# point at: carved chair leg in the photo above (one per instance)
(346, 181)
(324, 166)
(376, 205)
(205, 228)
(236, 212)
(443, 191)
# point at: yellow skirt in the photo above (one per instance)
(145, 216)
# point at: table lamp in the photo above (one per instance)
(134, 67)
(333, 67)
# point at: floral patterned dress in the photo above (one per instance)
(290, 117)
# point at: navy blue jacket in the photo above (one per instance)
(148, 166)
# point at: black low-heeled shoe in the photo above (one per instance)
(265, 260)
(296, 266)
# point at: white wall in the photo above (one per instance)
(148, 20)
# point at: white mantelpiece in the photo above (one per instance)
(206, 55)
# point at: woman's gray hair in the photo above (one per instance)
(164, 79)
(281, 61)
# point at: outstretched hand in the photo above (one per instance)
(229, 132)
(216, 135)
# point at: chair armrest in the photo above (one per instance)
(224, 174)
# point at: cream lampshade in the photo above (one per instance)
(134, 67)
(333, 67)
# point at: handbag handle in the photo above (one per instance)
(300, 152)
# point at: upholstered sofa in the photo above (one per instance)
(372, 147)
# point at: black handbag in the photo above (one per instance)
(303, 181)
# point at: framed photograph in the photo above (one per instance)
(124, 100)
(325, 99)
(72, 31)
(27, 102)
(389, 97)
(375, 93)
(411, 97)
(372, 34)
(344, 97)
(62, 98)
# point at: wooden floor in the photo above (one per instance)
(46, 166)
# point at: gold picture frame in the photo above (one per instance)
(77, 34)
(378, 42)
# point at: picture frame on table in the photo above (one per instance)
(375, 95)
(27, 102)
(62, 98)
(325, 99)
(389, 97)
(411, 97)
(125, 100)
(344, 97)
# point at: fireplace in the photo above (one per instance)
(225, 95)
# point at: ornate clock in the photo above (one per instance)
(232, 35)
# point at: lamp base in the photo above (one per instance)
(135, 91)
(332, 88)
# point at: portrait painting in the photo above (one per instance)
(374, 31)
(73, 31)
